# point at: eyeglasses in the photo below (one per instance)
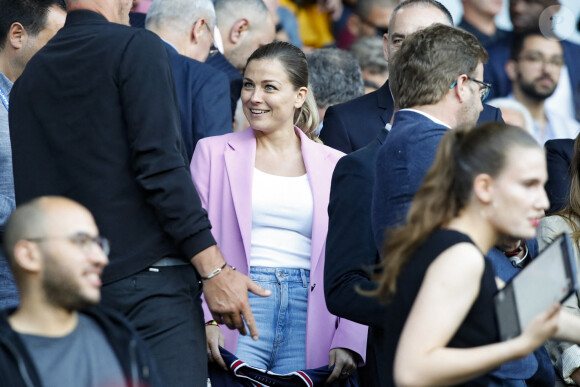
(212, 51)
(537, 59)
(484, 88)
(82, 240)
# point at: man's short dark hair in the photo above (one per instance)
(519, 39)
(30, 13)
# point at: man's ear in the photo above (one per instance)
(197, 30)
(16, 34)
(483, 188)
(459, 88)
(27, 256)
(386, 47)
(239, 30)
(510, 69)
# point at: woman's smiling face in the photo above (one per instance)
(269, 99)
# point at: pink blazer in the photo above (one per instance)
(222, 169)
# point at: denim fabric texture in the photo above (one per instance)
(281, 321)
(8, 290)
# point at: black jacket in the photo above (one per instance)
(17, 368)
(94, 117)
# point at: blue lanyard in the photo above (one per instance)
(4, 99)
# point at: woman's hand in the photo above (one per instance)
(344, 363)
(215, 338)
(541, 328)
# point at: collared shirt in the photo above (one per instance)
(429, 116)
(557, 126)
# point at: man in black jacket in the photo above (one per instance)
(94, 117)
(57, 336)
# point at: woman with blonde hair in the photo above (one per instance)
(266, 192)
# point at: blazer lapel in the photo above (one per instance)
(316, 167)
(240, 159)
(385, 101)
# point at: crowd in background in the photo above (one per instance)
(283, 191)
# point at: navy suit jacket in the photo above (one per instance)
(402, 163)
(559, 154)
(351, 251)
(219, 62)
(354, 124)
(202, 94)
(494, 70)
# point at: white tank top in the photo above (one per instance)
(282, 209)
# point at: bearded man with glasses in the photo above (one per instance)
(58, 336)
(534, 68)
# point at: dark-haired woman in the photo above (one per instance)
(266, 191)
(441, 325)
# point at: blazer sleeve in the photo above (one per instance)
(157, 154)
(350, 248)
(353, 336)
(334, 132)
(200, 171)
(213, 114)
(559, 156)
(200, 168)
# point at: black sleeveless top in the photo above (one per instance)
(478, 328)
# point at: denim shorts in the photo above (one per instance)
(281, 320)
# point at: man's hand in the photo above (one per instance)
(344, 363)
(226, 294)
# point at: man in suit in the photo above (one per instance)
(25, 26)
(244, 25)
(351, 250)
(352, 125)
(95, 118)
(533, 14)
(451, 95)
(186, 27)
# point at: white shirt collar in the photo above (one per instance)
(429, 116)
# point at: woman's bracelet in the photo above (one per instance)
(215, 272)
(212, 323)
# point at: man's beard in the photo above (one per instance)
(531, 91)
(61, 290)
